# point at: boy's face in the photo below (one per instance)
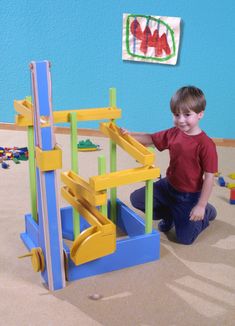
(188, 122)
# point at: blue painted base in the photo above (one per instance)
(133, 249)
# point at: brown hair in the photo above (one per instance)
(188, 98)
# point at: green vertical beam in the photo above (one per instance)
(29, 98)
(73, 133)
(74, 167)
(149, 204)
(32, 173)
(102, 170)
(113, 161)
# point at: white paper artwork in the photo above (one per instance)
(150, 38)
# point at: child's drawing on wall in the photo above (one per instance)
(150, 38)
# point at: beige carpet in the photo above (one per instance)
(189, 285)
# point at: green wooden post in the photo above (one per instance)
(102, 170)
(113, 162)
(32, 173)
(149, 204)
(74, 167)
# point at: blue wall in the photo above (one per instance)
(83, 41)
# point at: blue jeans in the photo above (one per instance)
(172, 205)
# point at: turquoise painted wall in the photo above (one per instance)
(83, 40)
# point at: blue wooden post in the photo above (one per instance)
(50, 233)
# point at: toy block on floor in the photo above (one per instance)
(231, 175)
(232, 196)
(221, 182)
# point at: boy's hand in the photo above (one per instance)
(124, 131)
(197, 213)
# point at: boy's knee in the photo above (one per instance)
(137, 200)
(133, 199)
(186, 239)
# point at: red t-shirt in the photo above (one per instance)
(190, 157)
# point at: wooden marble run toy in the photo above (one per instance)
(80, 240)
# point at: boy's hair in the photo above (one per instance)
(188, 98)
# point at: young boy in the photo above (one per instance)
(181, 198)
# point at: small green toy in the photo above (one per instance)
(87, 145)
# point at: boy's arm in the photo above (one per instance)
(198, 211)
(144, 138)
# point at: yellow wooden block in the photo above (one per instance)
(25, 115)
(231, 175)
(81, 188)
(49, 160)
(87, 114)
(22, 121)
(24, 108)
(230, 185)
(119, 178)
(128, 143)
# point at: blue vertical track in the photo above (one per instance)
(50, 233)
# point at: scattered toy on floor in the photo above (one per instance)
(95, 296)
(231, 175)
(87, 145)
(232, 196)
(222, 183)
(5, 165)
(15, 154)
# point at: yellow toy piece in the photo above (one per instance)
(21, 121)
(231, 175)
(25, 115)
(119, 178)
(128, 144)
(24, 108)
(96, 241)
(82, 188)
(37, 259)
(49, 160)
(230, 185)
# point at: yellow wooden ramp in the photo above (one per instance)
(123, 177)
(96, 241)
(81, 187)
(129, 144)
(25, 113)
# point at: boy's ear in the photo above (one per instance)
(201, 114)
